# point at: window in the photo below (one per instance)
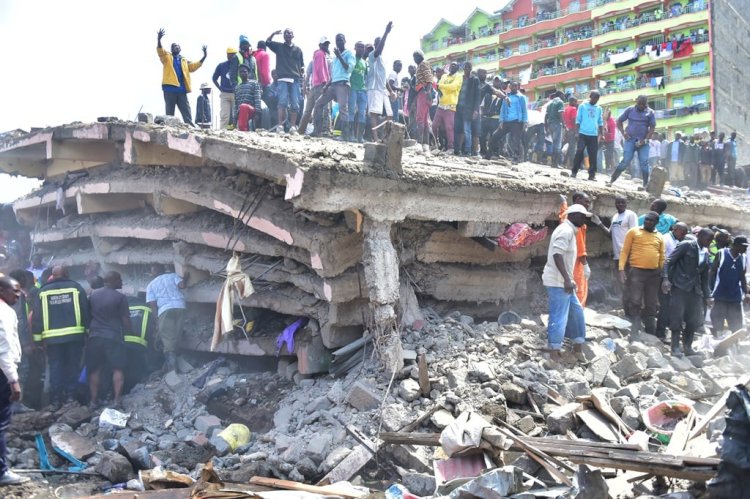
(582, 87)
(523, 21)
(523, 47)
(574, 6)
(697, 67)
(678, 102)
(700, 99)
(676, 73)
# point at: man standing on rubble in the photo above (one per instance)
(110, 321)
(729, 289)
(425, 89)
(641, 263)
(678, 233)
(10, 356)
(175, 80)
(641, 125)
(60, 318)
(686, 277)
(589, 128)
(289, 67)
(226, 89)
(319, 77)
(339, 88)
(164, 296)
(379, 91)
(565, 311)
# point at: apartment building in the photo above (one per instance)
(663, 49)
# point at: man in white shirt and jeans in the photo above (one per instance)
(622, 221)
(10, 357)
(565, 311)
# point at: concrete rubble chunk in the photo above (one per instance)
(481, 371)
(409, 390)
(598, 369)
(631, 417)
(419, 484)
(629, 365)
(363, 396)
(591, 483)
(63, 437)
(562, 419)
(207, 423)
(173, 380)
(526, 424)
(442, 418)
(114, 467)
(75, 416)
(395, 417)
(514, 393)
(318, 447)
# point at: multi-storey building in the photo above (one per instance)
(659, 48)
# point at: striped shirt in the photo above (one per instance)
(247, 93)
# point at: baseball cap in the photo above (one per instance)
(205, 85)
(324, 39)
(578, 208)
(741, 240)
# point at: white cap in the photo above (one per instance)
(324, 39)
(578, 208)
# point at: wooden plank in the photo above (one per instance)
(600, 426)
(700, 474)
(354, 461)
(710, 415)
(290, 485)
(554, 396)
(680, 435)
(533, 403)
(516, 435)
(428, 414)
(424, 377)
(729, 341)
(403, 438)
(599, 398)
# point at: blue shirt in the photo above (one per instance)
(638, 121)
(165, 291)
(338, 73)
(666, 221)
(732, 148)
(222, 73)
(589, 119)
(177, 64)
(516, 110)
(728, 284)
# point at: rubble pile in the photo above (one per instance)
(302, 428)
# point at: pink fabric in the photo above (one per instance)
(320, 75)
(264, 67)
(444, 118)
(609, 135)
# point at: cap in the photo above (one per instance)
(578, 208)
(205, 85)
(742, 240)
(231, 50)
(324, 39)
(719, 230)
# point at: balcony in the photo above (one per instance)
(685, 117)
(558, 75)
(602, 65)
(628, 91)
(645, 25)
(608, 8)
(455, 46)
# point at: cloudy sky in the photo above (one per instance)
(78, 60)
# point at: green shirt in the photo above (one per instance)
(359, 75)
(554, 111)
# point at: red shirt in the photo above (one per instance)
(609, 135)
(264, 67)
(569, 117)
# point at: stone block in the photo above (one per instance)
(206, 423)
(562, 419)
(631, 417)
(318, 447)
(442, 418)
(598, 369)
(630, 365)
(319, 404)
(173, 380)
(334, 458)
(680, 364)
(409, 390)
(513, 393)
(63, 437)
(114, 467)
(363, 396)
(75, 416)
(395, 417)
(419, 484)
(526, 424)
(283, 417)
(457, 377)
(619, 404)
(481, 371)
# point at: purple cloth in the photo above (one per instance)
(287, 336)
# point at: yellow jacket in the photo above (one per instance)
(450, 86)
(169, 77)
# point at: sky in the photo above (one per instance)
(78, 60)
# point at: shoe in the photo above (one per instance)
(11, 478)
(687, 343)
(293, 130)
(277, 129)
(19, 408)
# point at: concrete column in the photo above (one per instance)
(381, 269)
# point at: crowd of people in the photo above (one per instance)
(453, 109)
(97, 337)
(672, 276)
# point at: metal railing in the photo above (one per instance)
(650, 82)
(678, 112)
(647, 18)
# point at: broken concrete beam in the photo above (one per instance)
(363, 396)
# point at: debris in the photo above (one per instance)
(733, 479)
(64, 438)
(520, 235)
(590, 484)
(336, 489)
(363, 396)
(110, 418)
(494, 484)
(114, 467)
(662, 418)
(160, 479)
(420, 484)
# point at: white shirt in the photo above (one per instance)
(621, 224)
(562, 242)
(10, 346)
(654, 148)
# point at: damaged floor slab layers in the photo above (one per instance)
(326, 234)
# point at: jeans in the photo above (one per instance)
(312, 97)
(290, 95)
(339, 91)
(591, 144)
(181, 101)
(629, 150)
(555, 130)
(64, 361)
(357, 106)
(566, 318)
(5, 413)
(487, 127)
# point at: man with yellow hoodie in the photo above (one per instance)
(175, 81)
(448, 88)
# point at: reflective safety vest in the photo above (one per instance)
(61, 313)
(139, 315)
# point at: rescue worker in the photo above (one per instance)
(164, 296)
(60, 316)
(138, 340)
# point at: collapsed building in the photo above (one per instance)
(326, 234)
